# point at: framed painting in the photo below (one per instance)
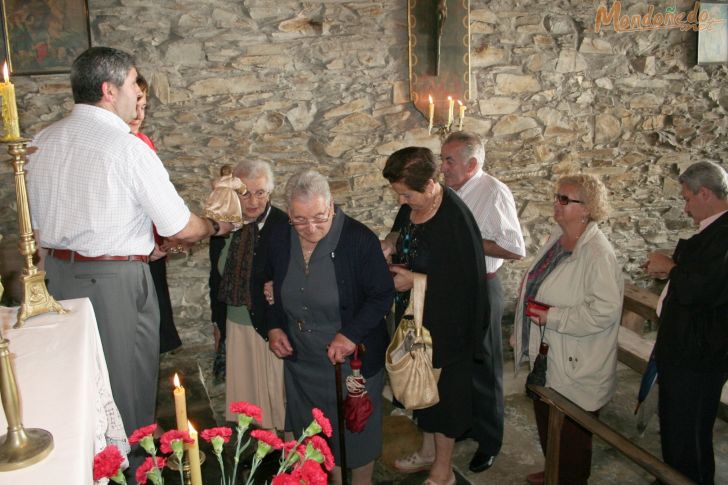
(44, 36)
(713, 33)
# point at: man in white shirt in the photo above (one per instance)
(494, 209)
(94, 191)
(691, 350)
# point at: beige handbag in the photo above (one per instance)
(409, 355)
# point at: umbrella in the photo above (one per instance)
(340, 421)
(357, 407)
(649, 377)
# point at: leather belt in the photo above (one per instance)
(68, 255)
(491, 276)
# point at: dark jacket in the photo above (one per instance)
(366, 288)
(276, 219)
(693, 330)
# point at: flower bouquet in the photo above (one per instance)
(303, 462)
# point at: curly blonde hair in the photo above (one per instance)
(593, 193)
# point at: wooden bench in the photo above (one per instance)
(634, 350)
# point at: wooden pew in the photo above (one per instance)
(634, 350)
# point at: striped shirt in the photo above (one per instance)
(95, 188)
(494, 209)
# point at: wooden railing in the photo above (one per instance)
(559, 407)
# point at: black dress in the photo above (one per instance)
(448, 249)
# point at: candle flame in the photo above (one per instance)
(430, 97)
(6, 75)
(449, 98)
(192, 428)
(176, 380)
(460, 102)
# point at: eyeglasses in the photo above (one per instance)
(300, 222)
(565, 200)
(258, 194)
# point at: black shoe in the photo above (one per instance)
(481, 462)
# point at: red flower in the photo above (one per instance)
(290, 445)
(142, 433)
(242, 407)
(322, 421)
(312, 474)
(285, 479)
(268, 438)
(222, 431)
(323, 447)
(148, 466)
(165, 442)
(107, 462)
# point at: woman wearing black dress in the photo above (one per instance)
(435, 234)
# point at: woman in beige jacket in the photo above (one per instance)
(575, 287)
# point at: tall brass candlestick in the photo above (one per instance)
(20, 447)
(36, 299)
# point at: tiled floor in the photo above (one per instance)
(519, 456)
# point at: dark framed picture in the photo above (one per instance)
(44, 36)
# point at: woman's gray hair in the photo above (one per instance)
(706, 174)
(306, 185)
(253, 169)
(593, 193)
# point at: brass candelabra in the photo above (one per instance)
(36, 299)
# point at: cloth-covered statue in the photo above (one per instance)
(223, 204)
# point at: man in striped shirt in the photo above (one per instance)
(494, 209)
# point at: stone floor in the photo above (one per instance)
(519, 456)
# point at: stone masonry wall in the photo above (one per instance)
(324, 84)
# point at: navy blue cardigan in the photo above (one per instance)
(366, 288)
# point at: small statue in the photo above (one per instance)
(223, 204)
(441, 17)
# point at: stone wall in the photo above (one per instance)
(324, 84)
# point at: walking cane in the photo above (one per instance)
(342, 427)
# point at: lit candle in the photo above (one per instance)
(180, 404)
(193, 456)
(462, 115)
(10, 110)
(451, 108)
(431, 114)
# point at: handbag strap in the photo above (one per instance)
(417, 299)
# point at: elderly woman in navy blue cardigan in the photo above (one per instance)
(331, 292)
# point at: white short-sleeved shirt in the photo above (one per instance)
(494, 209)
(95, 188)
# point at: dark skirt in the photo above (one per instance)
(168, 336)
(453, 415)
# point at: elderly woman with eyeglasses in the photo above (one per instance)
(252, 373)
(331, 290)
(571, 299)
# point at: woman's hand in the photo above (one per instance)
(539, 317)
(268, 292)
(340, 348)
(388, 249)
(157, 253)
(278, 343)
(404, 279)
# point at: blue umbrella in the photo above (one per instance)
(648, 380)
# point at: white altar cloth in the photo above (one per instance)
(64, 388)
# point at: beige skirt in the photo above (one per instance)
(253, 375)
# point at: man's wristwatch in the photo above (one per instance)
(215, 226)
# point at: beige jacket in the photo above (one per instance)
(585, 292)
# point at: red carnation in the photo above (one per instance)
(285, 479)
(165, 442)
(222, 431)
(242, 407)
(268, 438)
(322, 421)
(107, 462)
(142, 433)
(148, 467)
(311, 473)
(323, 447)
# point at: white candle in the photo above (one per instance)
(431, 114)
(451, 108)
(462, 115)
(193, 455)
(180, 405)
(10, 109)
